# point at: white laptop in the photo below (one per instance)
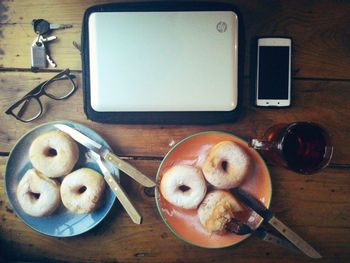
(169, 61)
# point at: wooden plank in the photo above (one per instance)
(324, 102)
(319, 31)
(316, 207)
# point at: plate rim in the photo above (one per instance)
(157, 192)
(51, 123)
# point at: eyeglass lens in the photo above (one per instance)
(28, 109)
(59, 88)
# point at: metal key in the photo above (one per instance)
(47, 39)
(50, 60)
(48, 57)
(42, 26)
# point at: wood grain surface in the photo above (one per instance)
(317, 207)
(319, 31)
(313, 100)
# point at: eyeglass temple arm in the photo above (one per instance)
(36, 89)
(23, 109)
(66, 76)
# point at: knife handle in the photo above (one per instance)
(123, 198)
(253, 203)
(129, 170)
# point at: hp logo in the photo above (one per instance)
(221, 27)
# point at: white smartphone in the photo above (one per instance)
(273, 75)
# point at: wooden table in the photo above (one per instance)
(316, 206)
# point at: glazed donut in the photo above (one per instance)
(183, 186)
(81, 190)
(226, 165)
(37, 194)
(54, 153)
(216, 210)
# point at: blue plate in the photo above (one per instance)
(62, 223)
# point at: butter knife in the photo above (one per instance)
(118, 190)
(270, 218)
(240, 228)
(273, 239)
(106, 154)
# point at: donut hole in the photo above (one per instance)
(35, 196)
(224, 165)
(82, 189)
(50, 152)
(184, 188)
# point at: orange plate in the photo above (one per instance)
(184, 223)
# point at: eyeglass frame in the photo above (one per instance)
(39, 91)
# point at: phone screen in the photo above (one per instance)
(273, 72)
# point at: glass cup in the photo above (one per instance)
(303, 147)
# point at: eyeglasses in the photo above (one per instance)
(29, 108)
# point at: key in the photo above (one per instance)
(47, 39)
(50, 60)
(42, 26)
(48, 57)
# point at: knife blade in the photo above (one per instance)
(106, 154)
(118, 190)
(238, 227)
(264, 235)
(270, 218)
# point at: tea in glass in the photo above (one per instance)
(304, 147)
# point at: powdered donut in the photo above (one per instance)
(217, 209)
(81, 190)
(54, 153)
(183, 186)
(37, 194)
(226, 165)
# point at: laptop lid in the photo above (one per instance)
(163, 61)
